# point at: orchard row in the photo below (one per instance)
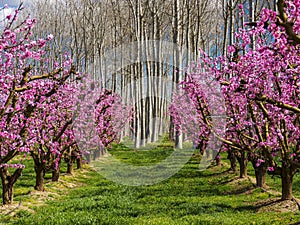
(258, 91)
(47, 108)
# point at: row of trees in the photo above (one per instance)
(41, 100)
(260, 84)
(42, 91)
(95, 27)
(97, 34)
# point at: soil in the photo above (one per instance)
(276, 205)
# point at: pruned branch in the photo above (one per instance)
(278, 103)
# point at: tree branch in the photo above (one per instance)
(278, 103)
(283, 21)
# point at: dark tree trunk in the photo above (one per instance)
(217, 157)
(260, 173)
(70, 165)
(232, 160)
(39, 168)
(8, 182)
(243, 164)
(55, 175)
(243, 168)
(94, 155)
(260, 176)
(287, 183)
(218, 161)
(55, 172)
(79, 163)
(171, 129)
(39, 178)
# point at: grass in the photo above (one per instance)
(189, 197)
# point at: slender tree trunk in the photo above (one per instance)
(56, 173)
(70, 165)
(171, 129)
(8, 182)
(7, 193)
(243, 165)
(231, 22)
(218, 160)
(252, 19)
(39, 178)
(232, 160)
(260, 175)
(79, 163)
(178, 140)
(287, 183)
(103, 151)
(96, 154)
(243, 168)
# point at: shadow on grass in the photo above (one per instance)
(270, 202)
(216, 174)
(241, 190)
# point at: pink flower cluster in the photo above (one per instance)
(100, 116)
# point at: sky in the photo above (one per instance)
(5, 12)
(14, 3)
(10, 3)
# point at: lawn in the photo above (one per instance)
(213, 196)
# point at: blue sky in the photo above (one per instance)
(14, 3)
(10, 3)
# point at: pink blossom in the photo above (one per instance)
(7, 32)
(9, 16)
(231, 49)
(49, 37)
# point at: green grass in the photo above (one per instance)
(188, 197)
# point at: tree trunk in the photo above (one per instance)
(7, 195)
(260, 173)
(171, 129)
(55, 173)
(70, 165)
(39, 178)
(218, 161)
(96, 154)
(243, 169)
(287, 183)
(102, 151)
(178, 140)
(79, 163)
(8, 182)
(243, 165)
(232, 160)
(88, 158)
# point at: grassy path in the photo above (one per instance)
(213, 196)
